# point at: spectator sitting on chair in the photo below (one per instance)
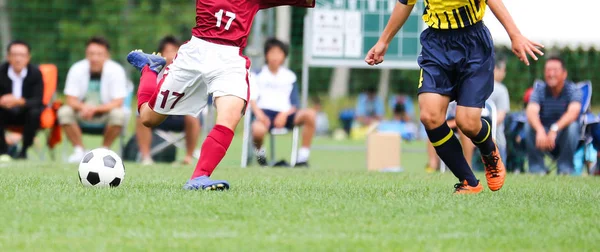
(191, 125)
(553, 111)
(95, 88)
(276, 104)
(369, 111)
(21, 94)
(369, 107)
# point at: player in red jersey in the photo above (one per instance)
(210, 63)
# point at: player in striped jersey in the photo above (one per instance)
(457, 63)
(443, 14)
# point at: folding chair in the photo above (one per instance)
(587, 118)
(48, 116)
(247, 145)
(488, 112)
(283, 131)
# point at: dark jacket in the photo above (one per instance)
(33, 85)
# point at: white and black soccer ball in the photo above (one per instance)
(101, 168)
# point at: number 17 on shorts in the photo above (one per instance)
(184, 97)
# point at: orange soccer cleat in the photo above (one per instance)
(495, 172)
(465, 188)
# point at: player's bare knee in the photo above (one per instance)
(229, 120)
(469, 126)
(229, 110)
(150, 118)
(149, 121)
(432, 120)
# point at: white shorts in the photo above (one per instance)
(200, 68)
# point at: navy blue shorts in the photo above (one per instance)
(289, 123)
(458, 63)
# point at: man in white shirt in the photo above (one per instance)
(275, 103)
(95, 88)
(21, 95)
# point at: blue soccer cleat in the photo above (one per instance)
(204, 183)
(139, 59)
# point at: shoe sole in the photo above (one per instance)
(495, 188)
(469, 191)
(495, 184)
(217, 187)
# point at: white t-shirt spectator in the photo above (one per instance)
(276, 92)
(113, 81)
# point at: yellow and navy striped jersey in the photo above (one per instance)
(451, 14)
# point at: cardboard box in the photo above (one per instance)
(383, 151)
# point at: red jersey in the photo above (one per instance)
(228, 22)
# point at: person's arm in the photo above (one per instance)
(399, 16)
(572, 114)
(533, 117)
(37, 85)
(574, 108)
(294, 100)
(73, 88)
(503, 105)
(255, 109)
(532, 111)
(521, 46)
(118, 83)
(74, 102)
(105, 108)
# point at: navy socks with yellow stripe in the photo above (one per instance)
(484, 140)
(450, 151)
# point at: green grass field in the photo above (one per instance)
(336, 205)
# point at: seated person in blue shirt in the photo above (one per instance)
(191, 125)
(369, 107)
(400, 124)
(275, 103)
(553, 112)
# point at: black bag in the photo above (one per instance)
(168, 155)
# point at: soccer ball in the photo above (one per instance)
(101, 168)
